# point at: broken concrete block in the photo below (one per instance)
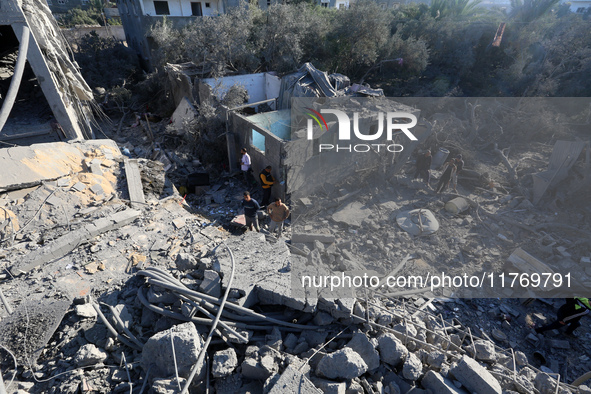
(97, 189)
(475, 377)
(274, 339)
(485, 350)
(330, 387)
(322, 319)
(352, 214)
(412, 368)
(86, 310)
(361, 344)
(179, 223)
(545, 384)
(211, 284)
(438, 384)
(409, 222)
(89, 354)
(436, 359)
(157, 352)
(79, 186)
(523, 384)
(560, 344)
(405, 330)
(292, 381)
(252, 369)
(311, 237)
(157, 295)
(392, 351)
(167, 386)
(342, 364)
(224, 363)
(290, 341)
(520, 358)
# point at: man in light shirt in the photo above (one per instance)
(245, 166)
(278, 213)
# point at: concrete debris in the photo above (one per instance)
(86, 310)
(89, 354)
(418, 222)
(342, 364)
(292, 381)
(362, 346)
(475, 377)
(92, 235)
(224, 363)
(438, 384)
(392, 351)
(412, 368)
(485, 351)
(158, 352)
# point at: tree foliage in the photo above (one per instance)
(446, 48)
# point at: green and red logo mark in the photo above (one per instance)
(316, 116)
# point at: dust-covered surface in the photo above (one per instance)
(357, 196)
(157, 272)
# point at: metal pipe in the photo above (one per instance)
(16, 77)
(203, 351)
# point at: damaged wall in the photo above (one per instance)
(242, 129)
(260, 87)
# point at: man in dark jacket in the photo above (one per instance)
(423, 167)
(267, 181)
(569, 315)
(251, 206)
(449, 169)
(459, 167)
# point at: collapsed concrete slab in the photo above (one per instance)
(263, 272)
(66, 243)
(475, 377)
(27, 331)
(59, 76)
(26, 166)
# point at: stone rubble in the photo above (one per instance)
(92, 247)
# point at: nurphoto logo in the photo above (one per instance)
(396, 122)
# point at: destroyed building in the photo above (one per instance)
(111, 281)
(59, 102)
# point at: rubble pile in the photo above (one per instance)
(112, 282)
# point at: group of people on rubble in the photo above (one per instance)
(277, 211)
(450, 171)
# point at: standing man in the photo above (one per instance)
(267, 181)
(423, 167)
(459, 167)
(245, 166)
(278, 213)
(569, 315)
(449, 169)
(251, 206)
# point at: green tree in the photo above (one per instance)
(455, 8)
